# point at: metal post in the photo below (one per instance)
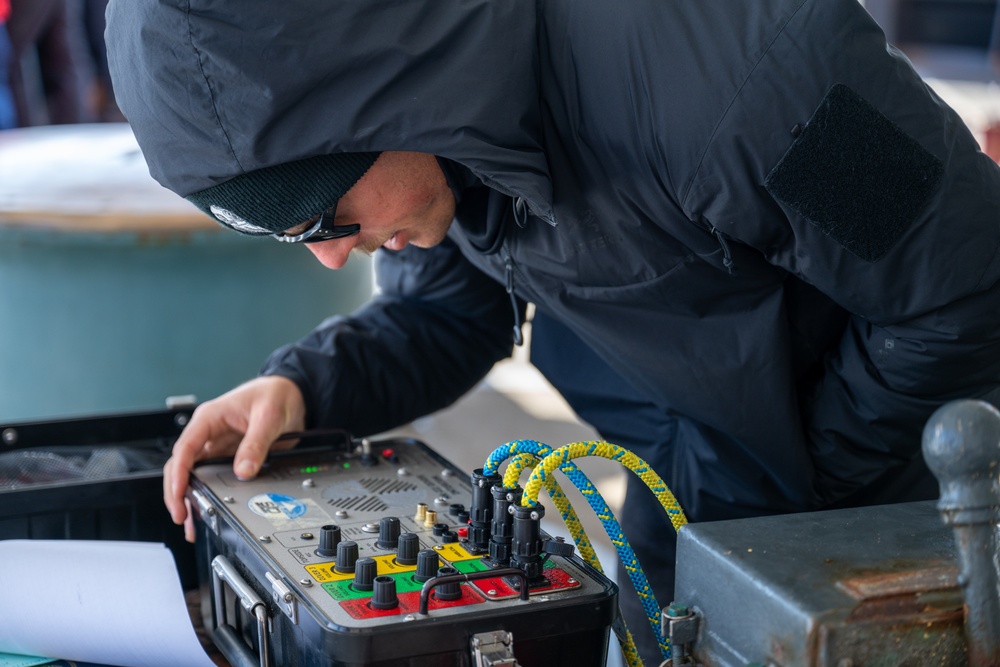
(961, 444)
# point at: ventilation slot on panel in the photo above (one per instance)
(381, 486)
(359, 504)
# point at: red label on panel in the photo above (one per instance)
(409, 603)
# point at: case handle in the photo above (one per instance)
(225, 636)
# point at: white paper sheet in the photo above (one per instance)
(112, 603)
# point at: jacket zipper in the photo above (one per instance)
(508, 263)
(520, 210)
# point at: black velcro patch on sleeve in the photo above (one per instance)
(856, 175)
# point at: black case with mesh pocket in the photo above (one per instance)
(93, 478)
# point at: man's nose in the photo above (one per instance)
(333, 254)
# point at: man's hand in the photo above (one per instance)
(244, 422)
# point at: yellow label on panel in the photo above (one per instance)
(388, 565)
(325, 572)
(453, 551)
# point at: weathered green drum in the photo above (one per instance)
(116, 293)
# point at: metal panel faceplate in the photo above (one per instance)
(270, 529)
(866, 586)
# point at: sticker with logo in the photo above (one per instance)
(277, 507)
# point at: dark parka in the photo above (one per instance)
(761, 250)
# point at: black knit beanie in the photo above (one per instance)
(273, 199)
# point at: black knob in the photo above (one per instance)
(455, 508)
(449, 536)
(347, 556)
(329, 538)
(409, 545)
(388, 533)
(448, 591)
(462, 518)
(384, 593)
(427, 565)
(365, 570)
(440, 528)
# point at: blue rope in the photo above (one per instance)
(600, 507)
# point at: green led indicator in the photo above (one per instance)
(309, 469)
(347, 465)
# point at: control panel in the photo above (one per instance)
(377, 535)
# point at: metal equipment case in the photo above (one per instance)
(276, 593)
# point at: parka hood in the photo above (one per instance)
(214, 89)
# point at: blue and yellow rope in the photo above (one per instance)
(558, 460)
(527, 453)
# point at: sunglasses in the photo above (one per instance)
(321, 230)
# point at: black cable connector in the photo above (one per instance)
(526, 546)
(502, 527)
(481, 510)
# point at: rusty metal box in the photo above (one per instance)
(843, 588)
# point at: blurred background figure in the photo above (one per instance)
(50, 67)
(8, 118)
(100, 98)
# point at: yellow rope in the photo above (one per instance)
(567, 453)
(541, 476)
(559, 499)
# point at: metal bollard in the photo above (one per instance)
(961, 444)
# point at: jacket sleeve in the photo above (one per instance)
(859, 181)
(434, 329)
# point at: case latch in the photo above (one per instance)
(208, 511)
(284, 598)
(493, 649)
